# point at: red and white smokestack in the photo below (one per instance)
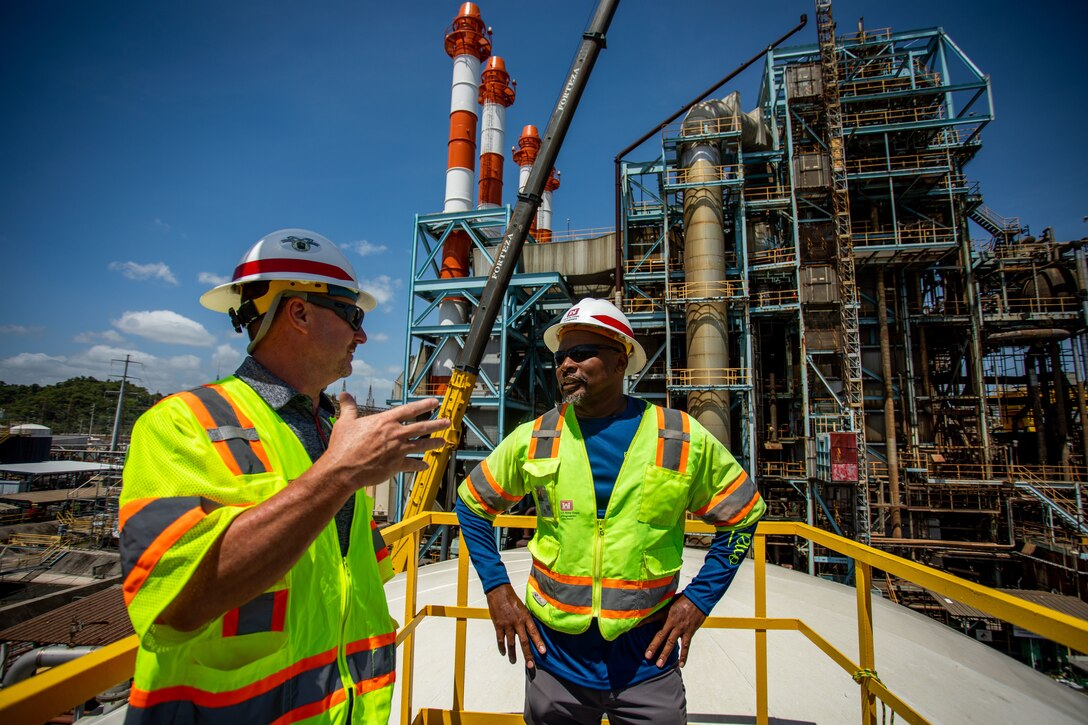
(496, 95)
(468, 42)
(544, 213)
(524, 156)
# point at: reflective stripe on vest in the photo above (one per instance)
(231, 432)
(732, 504)
(149, 527)
(372, 662)
(264, 613)
(620, 598)
(546, 430)
(380, 549)
(314, 681)
(673, 439)
(487, 492)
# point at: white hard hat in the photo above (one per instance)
(292, 255)
(602, 314)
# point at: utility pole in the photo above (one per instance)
(120, 400)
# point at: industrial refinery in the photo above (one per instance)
(817, 279)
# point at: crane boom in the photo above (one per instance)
(466, 370)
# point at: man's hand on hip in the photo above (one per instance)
(680, 625)
(512, 619)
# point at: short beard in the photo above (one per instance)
(575, 398)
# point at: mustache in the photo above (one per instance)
(574, 377)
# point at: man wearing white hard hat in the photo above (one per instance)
(612, 477)
(253, 568)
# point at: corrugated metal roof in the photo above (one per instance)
(58, 494)
(97, 619)
(48, 467)
(1065, 604)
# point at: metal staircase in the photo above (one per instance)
(840, 203)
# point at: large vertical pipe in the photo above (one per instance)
(1061, 396)
(524, 156)
(1031, 360)
(704, 269)
(889, 406)
(496, 95)
(467, 42)
(544, 213)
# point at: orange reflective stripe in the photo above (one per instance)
(208, 423)
(626, 613)
(634, 584)
(556, 603)
(156, 549)
(660, 440)
(379, 640)
(487, 491)
(312, 709)
(375, 683)
(583, 581)
(737, 482)
(204, 698)
(744, 511)
(685, 446)
(245, 422)
(130, 509)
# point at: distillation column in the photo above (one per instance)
(704, 272)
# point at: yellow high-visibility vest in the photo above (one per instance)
(624, 567)
(317, 646)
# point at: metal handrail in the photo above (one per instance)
(61, 688)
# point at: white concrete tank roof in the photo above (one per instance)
(33, 430)
(946, 676)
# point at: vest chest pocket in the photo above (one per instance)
(664, 497)
(540, 480)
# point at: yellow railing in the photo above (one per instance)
(66, 686)
(707, 377)
(780, 255)
(703, 290)
(703, 174)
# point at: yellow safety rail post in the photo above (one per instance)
(408, 644)
(762, 684)
(863, 582)
(461, 628)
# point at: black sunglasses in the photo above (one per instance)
(581, 353)
(346, 311)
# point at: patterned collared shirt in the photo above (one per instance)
(311, 428)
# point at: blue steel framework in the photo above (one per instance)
(513, 384)
(912, 110)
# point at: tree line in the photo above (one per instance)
(78, 405)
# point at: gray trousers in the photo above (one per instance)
(550, 700)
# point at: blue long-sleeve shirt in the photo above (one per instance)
(588, 659)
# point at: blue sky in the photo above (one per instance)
(146, 145)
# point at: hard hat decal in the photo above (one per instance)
(300, 244)
(572, 312)
(615, 324)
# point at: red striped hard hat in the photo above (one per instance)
(606, 317)
(294, 255)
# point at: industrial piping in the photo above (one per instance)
(683, 109)
(469, 44)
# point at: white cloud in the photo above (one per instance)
(226, 359)
(164, 326)
(364, 248)
(156, 374)
(364, 378)
(381, 287)
(377, 337)
(155, 270)
(212, 279)
(19, 330)
(91, 337)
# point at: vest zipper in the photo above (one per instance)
(598, 545)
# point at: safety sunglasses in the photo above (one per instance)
(346, 311)
(581, 353)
